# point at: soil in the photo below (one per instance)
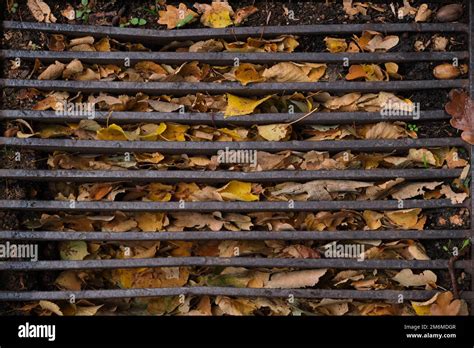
(118, 12)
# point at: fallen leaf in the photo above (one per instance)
(423, 13)
(407, 219)
(295, 279)
(407, 278)
(335, 45)
(238, 190)
(461, 108)
(216, 15)
(456, 198)
(73, 251)
(41, 11)
(274, 132)
(237, 106)
(243, 13)
(51, 307)
(176, 17)
(295, 72)
(69, 13)
(246, 73)
(414, 189)
(445, 305)
(53, 71)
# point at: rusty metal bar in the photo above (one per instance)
(224, 176)
(227, 58)
(207, 147)
(265, 206)
(391, 295)
(233, 235)
(263, 88)
(197, 261)
(218, 119)
(153, 36)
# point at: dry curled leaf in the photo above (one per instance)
(461, 108)
(176, 17)
(41, 11)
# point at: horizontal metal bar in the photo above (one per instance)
(391, 295)
(218, 119)
(265, 206)
(172, 176)
(263, 88)
(228, 58)
(153, 36)
(208, 147)
(233, 235)
(229, 262)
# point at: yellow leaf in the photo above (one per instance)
(152, 131)
(115, 132)
(406, 219)
(246, 73)
(420, 310)
(237, 106)
(372, 219)
(175, 132)
(183, 249)
(150, 222)
(238, 191)
(335, 45)
(159, 192)
(216, 15)
(274, 132)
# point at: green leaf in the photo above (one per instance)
(85, 2)
(134, 21)
(142, 21)
(185, 21)
(465, 243)
(79, 13)
(74, 250)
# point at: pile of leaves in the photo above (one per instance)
(441, 304)
(282, 43)
(229, 104)
(218, 14)
(285, 160)
(194, 71)
(317, 190)
(167, 131)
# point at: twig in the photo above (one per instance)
(452, 271)
(303, 117)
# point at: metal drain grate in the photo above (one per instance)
(210, 148)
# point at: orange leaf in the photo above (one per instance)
(356, 72)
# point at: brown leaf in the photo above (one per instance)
(295, 279)
(445, 305)
(244, 12)
(41, 11)
(53, 71)
(461, 108)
